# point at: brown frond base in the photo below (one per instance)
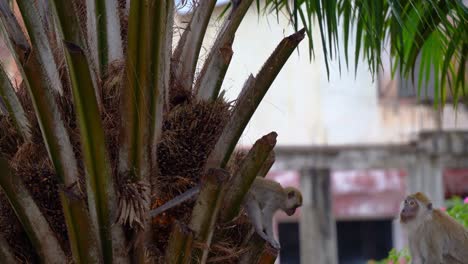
(30, 162)
(230, 241)
(9, 137)
(14, 234)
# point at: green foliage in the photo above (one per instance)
(458, 209)
(394, 257)
(425, 32)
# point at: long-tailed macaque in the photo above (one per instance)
(434, 237)
(262, 201)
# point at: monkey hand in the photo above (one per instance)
(270, 240)
(275, 244)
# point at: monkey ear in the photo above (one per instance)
(429, 206)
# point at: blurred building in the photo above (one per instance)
(308, 108)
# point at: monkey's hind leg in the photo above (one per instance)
(268, 224)
(255, 214)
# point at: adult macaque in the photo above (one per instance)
(262, 201)
(434, 237)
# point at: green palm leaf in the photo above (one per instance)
(408, 25)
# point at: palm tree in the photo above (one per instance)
(108, 122)
(429, 33)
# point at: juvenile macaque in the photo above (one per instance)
(434, 237)
(262, 201)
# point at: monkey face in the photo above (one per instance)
(410, 209)
(294, 200)
(290, 211)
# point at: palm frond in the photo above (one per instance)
(144, 91)
(100, 187)
(163, 18)
(180, 244)
(40, 41)
(14, 32)
(214, 69)
(245, 175)
(135, 104)
(407, 25)
(205, 212)
(60, 150)
(188, 48)
(13, 105)
(35, 224)
(103, 26)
